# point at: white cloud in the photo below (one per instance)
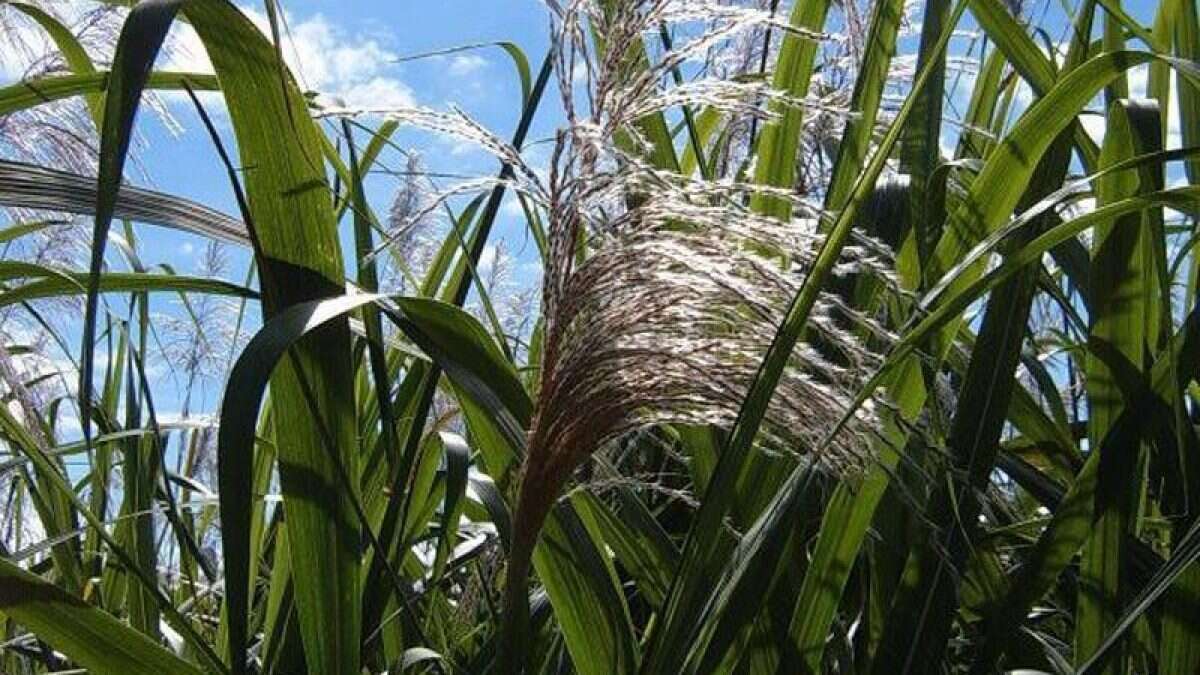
(378, 92)
(325, 57)
(466, 64)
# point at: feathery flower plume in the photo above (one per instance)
(662, 293)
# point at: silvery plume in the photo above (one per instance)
(60, 134)
(662, 292)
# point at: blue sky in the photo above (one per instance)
(358, 52)
(350, 50)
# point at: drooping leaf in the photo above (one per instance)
(86, 634)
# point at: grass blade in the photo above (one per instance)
(88, 635)
(1123, 316)
(141, 38)
(299, 260)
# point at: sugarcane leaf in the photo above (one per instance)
(141, 37)
(777, 147)
(298, 257)
(39, 187)
(30, 93)
(94, 638)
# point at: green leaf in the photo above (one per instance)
(142, 35)
(70, 48)
(1186, 554)
(1014, 41)
(919, 625)
(299, 260)
(693, 154)
(578, 578)
(868, 92)
(20, 437)
(30, 93)
(38, 187)
(20, 229)
(60, 283)
(995, 192)
(455, 290)
(457, 461)
(780, 139)
(920, 145)
(95, 639)
(1123, 304)
(637, 540)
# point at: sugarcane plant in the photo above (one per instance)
(821, 374)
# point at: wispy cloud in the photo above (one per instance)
(467, 64)
(326, 57)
